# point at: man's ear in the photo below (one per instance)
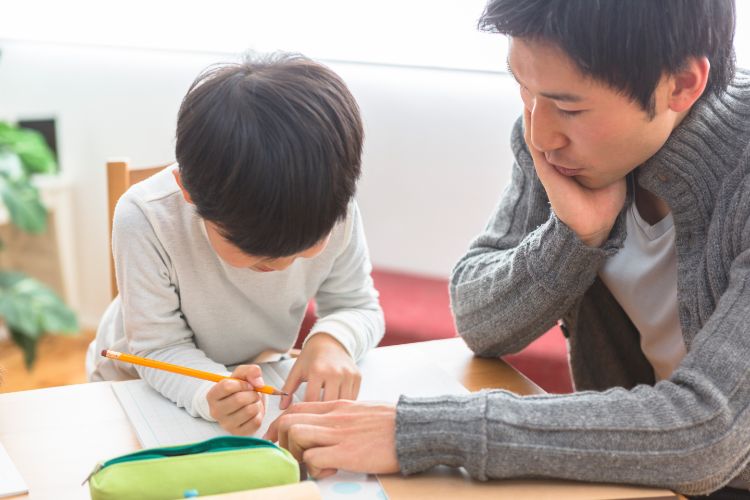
(185, 194)
(688, 84)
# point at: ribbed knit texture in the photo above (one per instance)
(691, 432)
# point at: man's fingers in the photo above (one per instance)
(301, 437)
(321, 474)
(323, 461)
(279, 428)
(287, 423)
(312, 407)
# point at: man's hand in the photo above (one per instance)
(326, 436)
(238, 409)
(327, 368)
(590, 213)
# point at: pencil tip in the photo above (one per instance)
(104, 353)
(280, 393)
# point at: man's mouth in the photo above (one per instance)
(567, 172)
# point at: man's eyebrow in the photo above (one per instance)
(565, 97)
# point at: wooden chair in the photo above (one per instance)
(120, 176)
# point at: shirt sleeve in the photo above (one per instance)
(527, 268)
(152, 320)
(347, 301)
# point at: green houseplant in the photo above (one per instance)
(28, 308)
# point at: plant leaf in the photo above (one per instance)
(30, 147)
(23, 203)
(27, 345)
(31, 309)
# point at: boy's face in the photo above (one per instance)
(586, 129)
(237, 258)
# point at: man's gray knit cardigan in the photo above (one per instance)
(691, 432)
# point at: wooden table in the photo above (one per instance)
(55, 437)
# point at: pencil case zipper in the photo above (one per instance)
(223, 443)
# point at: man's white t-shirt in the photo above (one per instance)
(642, 277)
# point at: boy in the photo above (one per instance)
(627, 216)
(217, 257)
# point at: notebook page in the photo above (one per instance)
(157, 421)
(11, 482)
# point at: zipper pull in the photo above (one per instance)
(98, 467)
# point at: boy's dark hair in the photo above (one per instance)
(627, 44)
(269, 150)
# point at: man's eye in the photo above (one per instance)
(568, 112)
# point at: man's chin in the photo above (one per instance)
(593, 183)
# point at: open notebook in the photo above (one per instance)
(159, 422)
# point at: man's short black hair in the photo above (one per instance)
(627, 44)
(270, 150)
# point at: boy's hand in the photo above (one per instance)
(327, 368)
(238, 409)
(590, 213)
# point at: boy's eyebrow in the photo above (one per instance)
(565, 97)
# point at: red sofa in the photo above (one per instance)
(417, 308)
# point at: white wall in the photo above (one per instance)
(436, 150)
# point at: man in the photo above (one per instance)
(628, 216)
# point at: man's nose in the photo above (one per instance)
(546, 133)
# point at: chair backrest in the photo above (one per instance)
(120, 176)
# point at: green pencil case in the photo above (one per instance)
(218, 465)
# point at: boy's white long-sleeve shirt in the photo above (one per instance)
(180, 303)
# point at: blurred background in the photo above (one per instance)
(105, 79)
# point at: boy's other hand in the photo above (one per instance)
(235, 406)
(328, 369)
(590, 213)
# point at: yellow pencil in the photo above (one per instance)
(182, 370)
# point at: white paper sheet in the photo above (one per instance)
(11, 482)
(159, 422)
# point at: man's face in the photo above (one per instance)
(586, 129)
(237, 258)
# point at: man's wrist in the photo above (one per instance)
(597, 239)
